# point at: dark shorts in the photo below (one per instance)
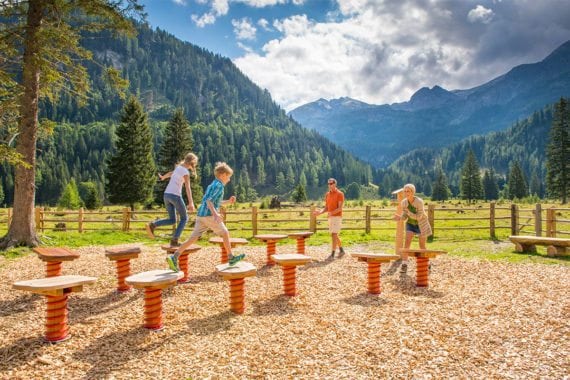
(413, 228)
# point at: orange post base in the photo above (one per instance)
(57, 329)
(123, 271)
(422, 272)
(53, 268)
(153, 309)
(237, 295)
(289, 280)
(270, 251)
(374, 269)
(183, 264)
(301, 245)
(224, 258)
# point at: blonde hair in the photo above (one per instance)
(411, 187)
(222, 168)
(190, 160)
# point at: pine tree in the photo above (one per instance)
(353, 191)
(440, 190)
(299, 194)
(535, 185)
(558, 153)
(490, 186)
(90, 195)
(176, 144)
(131, 171)
(70, 199)
(40, 39)
(518, 187)
(471, 187)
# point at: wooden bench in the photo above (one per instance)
(56, 289)
(122, 258)
(236, 275)
(234, 242)
(300, 237)
(289, 263)
(182, 259)
(374, 261)
(153, 282)
(53, 257)
(422, 263)
(554, 246)
(271, 242)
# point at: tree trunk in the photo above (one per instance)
(22, 228)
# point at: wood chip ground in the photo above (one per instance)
(478, 319)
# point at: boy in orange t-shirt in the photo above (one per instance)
(334, 200)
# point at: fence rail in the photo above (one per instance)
(512, 220)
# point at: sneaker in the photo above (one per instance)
(172, 263)
(174, 242)
(150, 230)
(233, 260)
(404, 268)
(341, 252)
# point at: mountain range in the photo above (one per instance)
(435, 117)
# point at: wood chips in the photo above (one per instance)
(477, 319)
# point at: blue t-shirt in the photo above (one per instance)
(215, 193)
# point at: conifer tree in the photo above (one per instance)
(131, 173)
(535, 185)
(471, 187)
(70, 197)
(440, 190)
(353, 191)
(40, 42)
(558, 153)
(518, 187)
(176, 144)
(299, 194)
(490, 186)
(90, 195)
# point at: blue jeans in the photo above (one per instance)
(174, 203)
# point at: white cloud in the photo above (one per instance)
(243, 29)
(218, 8)
(383, 51)
(480, 14)
(179, 2)
(261, 3)
(263, 23)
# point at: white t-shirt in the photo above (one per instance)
(177, 180)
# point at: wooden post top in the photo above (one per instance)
(291, 259)
(233, 241)
(374, 257)
(418, 252)
(154, 278)
(270, 237)
(122, 253)
(55, 254)
(240, 270)
(303, 234)
(171, 249)
(562, 242)
(51, 285)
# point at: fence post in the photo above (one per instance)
(9, 217)
(80, 220)
(37, 214)
(254, 220)
(550, 222)
(492, 220)
(431, 220)
(514, 219)
(223, 213)
(368, 216)
(538, 220)
(312, 220)
(126, 217)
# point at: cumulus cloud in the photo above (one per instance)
(243, 29)
(383, 51)
(480, 14)
(263, 23)
(217, 8)
(179, 2)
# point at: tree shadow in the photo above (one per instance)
(278, 305)
(21, 304)
(212, 324)
(20, 352)
(365, 299)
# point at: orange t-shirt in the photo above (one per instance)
(332, 199)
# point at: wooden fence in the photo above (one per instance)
(489, 220)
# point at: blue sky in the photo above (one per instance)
(376, 51)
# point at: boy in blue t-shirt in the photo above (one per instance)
(209, 218)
